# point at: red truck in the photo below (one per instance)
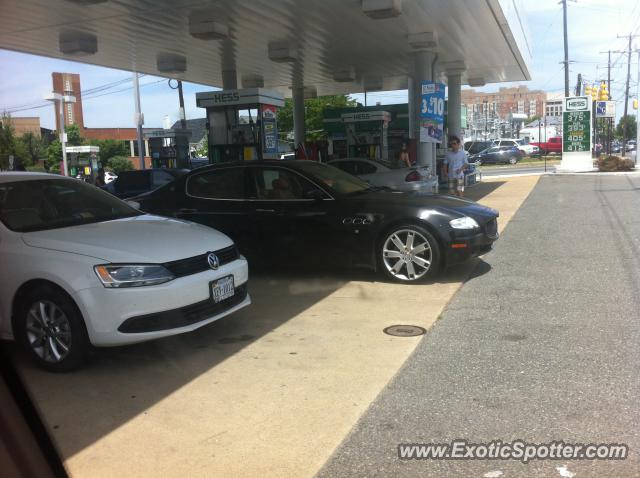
(554, 145)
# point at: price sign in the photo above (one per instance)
(431, 112)
(432, 101)
(576, 127)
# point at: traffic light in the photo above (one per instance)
(603, 94)
(587, 90)
(635, 104)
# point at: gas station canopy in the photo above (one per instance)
(328, 46)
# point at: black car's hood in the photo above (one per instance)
(440, 202)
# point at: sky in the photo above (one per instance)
(593, 27)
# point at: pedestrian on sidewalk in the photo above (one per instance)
(454, 166)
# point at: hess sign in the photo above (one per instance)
(580, 103)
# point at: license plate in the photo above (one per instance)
(222, 289)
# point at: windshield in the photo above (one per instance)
(40, 204)
(334, 178)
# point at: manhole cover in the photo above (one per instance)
(404, 330)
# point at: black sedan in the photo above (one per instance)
(497, 155)
(288, 212)
(133, 183)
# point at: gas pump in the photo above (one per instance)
(83, 162)
(169, 148)
(367, 134)
(242, 123)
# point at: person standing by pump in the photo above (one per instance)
(454, 166)
(405, 161)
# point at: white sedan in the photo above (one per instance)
(402, 179)
(81, 267)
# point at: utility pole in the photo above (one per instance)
(183, 117)
(566, 49)
(631, 36)
(638, 109)
(579, 85)
(138, 117)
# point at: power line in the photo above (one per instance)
(44, 105)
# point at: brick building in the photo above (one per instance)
(502, 103)
(69, 84)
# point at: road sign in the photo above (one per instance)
(11, 162)
(605, 109)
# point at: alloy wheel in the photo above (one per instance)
(407, 254)
(48, 331)
(513, 160)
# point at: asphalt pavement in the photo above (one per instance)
(541, 344)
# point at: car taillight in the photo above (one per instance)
(412, 176)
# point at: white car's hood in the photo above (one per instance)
(140, 239)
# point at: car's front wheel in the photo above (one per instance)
(52, 330)
(513, 160)
(409, 253)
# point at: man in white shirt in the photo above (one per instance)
(454, 166)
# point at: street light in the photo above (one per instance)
(61, 99)
(486, 118)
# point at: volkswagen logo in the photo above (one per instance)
(213, 261)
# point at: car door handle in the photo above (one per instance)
(186, 210)
(265, 210)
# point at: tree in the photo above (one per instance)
(533, 118)
(74, 138)
(120, 163)
(110, 148)
(10, 145)
(314, 109)
(34, 147)
(627, 124)
(54, 156)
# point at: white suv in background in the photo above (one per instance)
(81, 267)
(526, 148)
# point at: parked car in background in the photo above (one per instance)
(401, 179)
(88, 269)
(497, 155)
(288, 213)
(133, 183)
(198, 162)
(474, 147)
(553, 145)
(526, 148)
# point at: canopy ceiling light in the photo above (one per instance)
(423, 41)
(344, 75)
(86, 2)
(171, 63)
(381, 9)
(479, 81)
(252, 81)
(77, 43)
(454, 67)
(373, 83)
(282, 52)
(203, 25)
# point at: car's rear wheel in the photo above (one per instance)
(52, 330)
(409, 253)
(513, 160)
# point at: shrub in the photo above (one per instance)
(117, 164)
(615, 163)
(38, 168)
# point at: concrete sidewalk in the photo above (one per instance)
(270, 391)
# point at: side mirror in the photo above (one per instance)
(316, 194)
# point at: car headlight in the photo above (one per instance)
(465, 222)
(132, 275)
